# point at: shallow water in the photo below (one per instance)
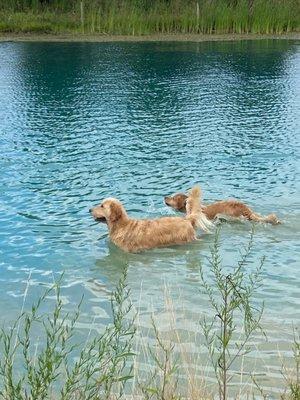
(83, 121)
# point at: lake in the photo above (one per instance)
(83, 121)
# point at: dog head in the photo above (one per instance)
(178, 201)
(109, 211)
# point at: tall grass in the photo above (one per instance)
(292, 375)
(145, 17)
(162, 382)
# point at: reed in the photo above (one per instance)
(162, 382)
(292, 374)
(132, 17)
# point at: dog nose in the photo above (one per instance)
(90, 210)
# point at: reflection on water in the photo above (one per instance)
(80, 122)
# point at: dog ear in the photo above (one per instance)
(184, 200)
(183, 205)
(115, 212)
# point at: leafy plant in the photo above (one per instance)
(230, 297)
(103, 365)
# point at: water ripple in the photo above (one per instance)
(80, 122)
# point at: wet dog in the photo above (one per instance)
(133, 235)
(226, 208)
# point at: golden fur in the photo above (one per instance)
(133, 235)
(229, 208)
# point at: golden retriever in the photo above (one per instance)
(133, 235)
(227, 208)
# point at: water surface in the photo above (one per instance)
(83, 121)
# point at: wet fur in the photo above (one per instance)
(133, 235)
(227, 208)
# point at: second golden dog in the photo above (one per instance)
(226, 208)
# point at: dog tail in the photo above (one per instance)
(194, 212)
(270, 219)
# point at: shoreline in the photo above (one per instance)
(31, 37)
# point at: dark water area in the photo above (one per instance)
(83, 121)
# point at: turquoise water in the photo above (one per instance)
(83, 121)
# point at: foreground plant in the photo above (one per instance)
(293, 378)
(103, 365)
(162, 381)
(230, 298)
(61, 368)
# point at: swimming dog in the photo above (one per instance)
(227, 208)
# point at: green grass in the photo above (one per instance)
(145, 17)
